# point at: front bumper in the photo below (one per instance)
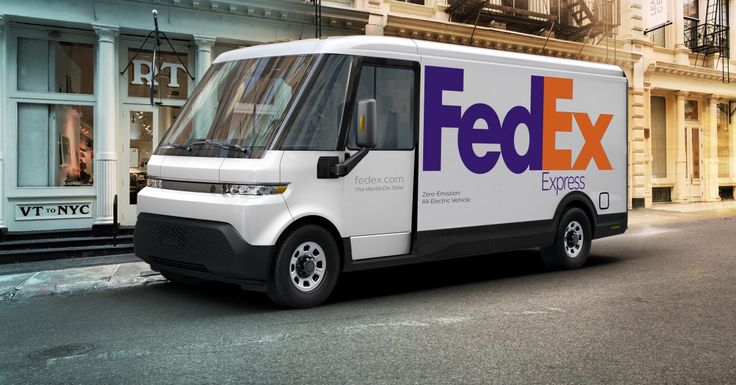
(203, 249)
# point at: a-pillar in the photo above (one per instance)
(3, 226)
(682, 190)
(711, 154)
(105, 130)
(204, 54)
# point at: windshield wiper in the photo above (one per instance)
(224, 146)
(178, 146)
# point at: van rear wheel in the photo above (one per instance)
(572, 241)
(305, 268)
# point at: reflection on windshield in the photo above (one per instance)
(237, 108)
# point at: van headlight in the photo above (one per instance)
(153, 182)
(253, 189)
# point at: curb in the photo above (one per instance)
(76, 280)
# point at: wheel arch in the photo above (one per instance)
(321, 222)
(579, 200)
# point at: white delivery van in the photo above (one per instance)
(294, 162)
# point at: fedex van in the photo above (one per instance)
(294, 162)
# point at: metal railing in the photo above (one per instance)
(706, 38)
(559, 11)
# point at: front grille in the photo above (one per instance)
(183, 238)
(171, 235)
(179, 264)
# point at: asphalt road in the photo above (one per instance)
(656, 305)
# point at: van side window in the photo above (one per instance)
(317, 123)
(393, 89)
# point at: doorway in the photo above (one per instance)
(694, 145)
(143, 127)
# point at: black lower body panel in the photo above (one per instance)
(203, 249)
(611, 224)
(436, 245)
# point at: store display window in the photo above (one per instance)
(55, 66)
(55, 145)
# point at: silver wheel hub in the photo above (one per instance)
(573, 239)
(307, 266)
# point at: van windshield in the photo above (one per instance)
(236, 108)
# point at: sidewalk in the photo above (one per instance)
(72, 280)
(86, 275)
(661, 213)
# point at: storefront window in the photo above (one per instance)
(55, 145)
(54, 66)
(172, 81)
(659, 137)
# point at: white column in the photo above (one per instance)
(106, 122)
(204, 54)
(711, 154)
(682, 192)
(3, 118)
(681, 52)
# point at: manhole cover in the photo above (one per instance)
(62, 351)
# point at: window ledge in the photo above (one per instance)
(52, 192)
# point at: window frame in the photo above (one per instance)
(696, 111)
(16, 97)
(361, 62)
(57, 35)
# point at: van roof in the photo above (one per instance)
(410, 49)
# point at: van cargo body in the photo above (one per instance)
(294, 162)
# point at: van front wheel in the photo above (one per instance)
(572, 241)
(305, 268)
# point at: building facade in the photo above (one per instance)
(77, 127)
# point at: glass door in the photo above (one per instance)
(139, 136)
(142, 128)
(695, 162)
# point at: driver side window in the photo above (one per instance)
(393, 89)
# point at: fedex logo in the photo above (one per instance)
(541, 119)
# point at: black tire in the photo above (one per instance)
(305, 268)
(181, 279)
(569, 251)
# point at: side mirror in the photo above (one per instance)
(366, 137)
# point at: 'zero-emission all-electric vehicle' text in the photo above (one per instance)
(293, 162)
